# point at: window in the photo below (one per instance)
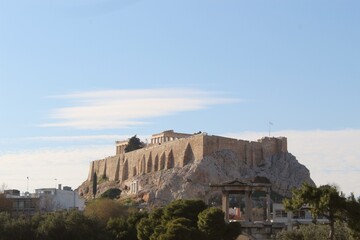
(280, 213)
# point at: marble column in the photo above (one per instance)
(268, 202)
(248, 206)
(225, 205)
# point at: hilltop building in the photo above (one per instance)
(170, 149)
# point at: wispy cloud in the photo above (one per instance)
(111, 109)
(68, 165)
(331, 156)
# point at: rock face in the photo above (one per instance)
(192, 180)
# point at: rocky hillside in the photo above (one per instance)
(192, 181)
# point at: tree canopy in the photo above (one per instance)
(134, 144)
(324, 200)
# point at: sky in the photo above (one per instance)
(77, 75)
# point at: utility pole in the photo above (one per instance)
(270, 124)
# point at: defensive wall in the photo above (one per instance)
(179, 152)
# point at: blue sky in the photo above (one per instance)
(77, 75)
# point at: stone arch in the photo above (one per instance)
(105, 169)
(117, 171)
(125, 171)
(134, 171)
(156, 163)
(138, 166)
(149, 164)
(162, 161)
(188, 155)
(170, 160)
(142, 168)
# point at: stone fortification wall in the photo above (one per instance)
(180, 152)
(252, 153)
(176, 153)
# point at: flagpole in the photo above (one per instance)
(270, 123)
(269, 128)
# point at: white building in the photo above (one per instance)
(290, 219)
(52, 199)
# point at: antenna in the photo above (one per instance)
(27, 184)
(270, 124)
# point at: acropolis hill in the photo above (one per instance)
(177, 165)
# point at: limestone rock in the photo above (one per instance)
(192, 181)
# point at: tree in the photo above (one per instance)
(125, 228)
(134, 144)
(146, 227)
(315, 231)
(211, 223)
(180, 229)
(233, 230)
(180, 208)
(94, 184)
(102, 209)
(67, 225)
(325, 200)
(353, 215)
(5, 203)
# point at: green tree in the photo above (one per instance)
(316, 231)
(134, 144)
(94, 187)
(211, 222)
(325, 200)
(118, 228)
(19, 228)
(147, 225)
(233, 230)
(181, 208)
(125, 228)
(353, 215)
(180, 229)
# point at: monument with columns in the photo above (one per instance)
(258, 184)
(167, 136)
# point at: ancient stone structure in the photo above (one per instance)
(182, 166)
(235, 187)
(120, 146)
(167, 136)
(170, 149)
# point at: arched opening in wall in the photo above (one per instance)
(156, 164)
(188, 155)
(162, 161)
(149, 164)
(125, 171)
(143, 164)
(117, 171)
(105, 168)
(134, 171)
(170, 160)
(138, 166)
